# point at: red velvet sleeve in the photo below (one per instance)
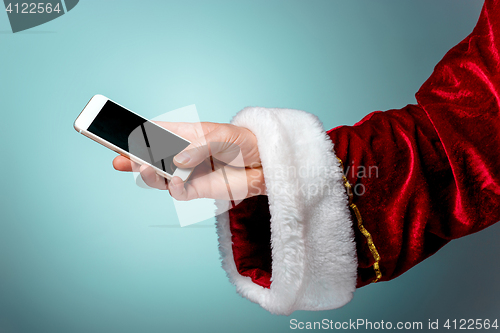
(429, 173)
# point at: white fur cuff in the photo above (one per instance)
(313, 252)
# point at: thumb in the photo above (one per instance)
(193, 154)
(214, 144)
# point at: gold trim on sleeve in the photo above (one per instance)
(368, 236)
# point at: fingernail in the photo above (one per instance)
(183, 157)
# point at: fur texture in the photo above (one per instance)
(313, 251)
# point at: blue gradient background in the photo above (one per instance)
(78, 252)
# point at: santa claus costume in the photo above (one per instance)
(365, 203)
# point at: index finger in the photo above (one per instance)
(122, 163)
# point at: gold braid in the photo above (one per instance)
(369, 239)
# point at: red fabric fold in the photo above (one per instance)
(250, 227)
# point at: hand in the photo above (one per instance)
(222, 142)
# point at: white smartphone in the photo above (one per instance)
(133, 136)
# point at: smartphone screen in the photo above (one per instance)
(138, 136)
